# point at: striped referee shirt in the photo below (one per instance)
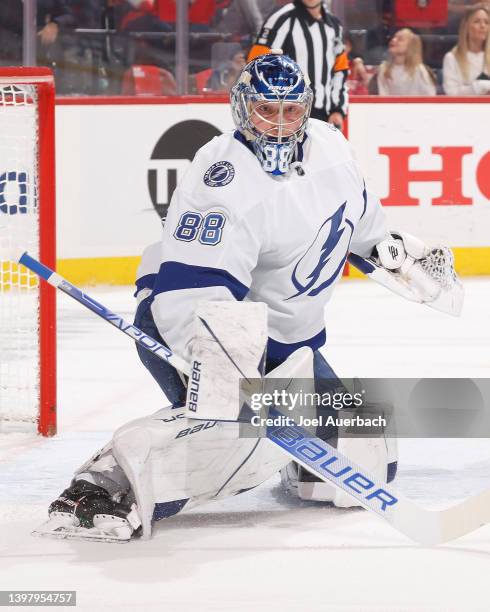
(318, 48)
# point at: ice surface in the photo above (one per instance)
(261, 550)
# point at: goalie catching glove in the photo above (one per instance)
(421, 274)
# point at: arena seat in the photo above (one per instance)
(200, 80)
(147, 80)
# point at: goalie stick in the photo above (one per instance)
(114, 319)
(428, 527)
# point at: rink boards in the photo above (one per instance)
(118, 161)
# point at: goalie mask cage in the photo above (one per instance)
(27, 223)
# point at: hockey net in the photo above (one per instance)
(27, 223)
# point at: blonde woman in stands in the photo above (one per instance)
(466, 68)
(404, 73)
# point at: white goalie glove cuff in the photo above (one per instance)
(401, 253)
(418, 272)
(393, 251)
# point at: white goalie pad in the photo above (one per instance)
(229, 344)
(167, 457)
(298, 365)
(371, 454)
(174, 464)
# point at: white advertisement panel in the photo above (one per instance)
(117, 166)
(430, 165)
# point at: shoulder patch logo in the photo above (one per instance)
(219, 174)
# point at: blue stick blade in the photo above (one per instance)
(35, 266)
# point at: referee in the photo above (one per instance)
(311, 36)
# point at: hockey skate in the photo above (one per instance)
(86, 511)
(300, 483)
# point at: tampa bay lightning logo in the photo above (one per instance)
(324, 259)
(219, 174)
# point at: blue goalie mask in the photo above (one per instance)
(271, 104)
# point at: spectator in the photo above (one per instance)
(267, 7)
(456, 11)
(93, 14)
(359, 77)
(307, 33)
(52, 16)
(242, 19)
(201, 13)
(93, 63)
(140, 16)
(404, 73)
(466, 68)
(161, 15)
(225, 76)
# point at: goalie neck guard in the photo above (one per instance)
(271, 104)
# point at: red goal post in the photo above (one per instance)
(27, 222)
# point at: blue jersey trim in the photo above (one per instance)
(166, 509)
(277, 352)
(360, 263)
(364, 197)
(241, 138)
(299, 153)
(174, 275)
(145, 282)
(299, 148)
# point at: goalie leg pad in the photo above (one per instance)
(131, 449)
(377, 455)
(173, 463)
(370, 454)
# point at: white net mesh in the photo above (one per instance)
(19, 231)
(439, 264)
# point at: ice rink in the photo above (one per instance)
(260, 551)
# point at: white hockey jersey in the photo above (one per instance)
(235, 231)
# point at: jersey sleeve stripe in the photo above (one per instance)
(174, 275)
(276, 19)
(334, 23)
(269, 33)
(339, 93)
(361, 264)
(309, 60)
(145, 282)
